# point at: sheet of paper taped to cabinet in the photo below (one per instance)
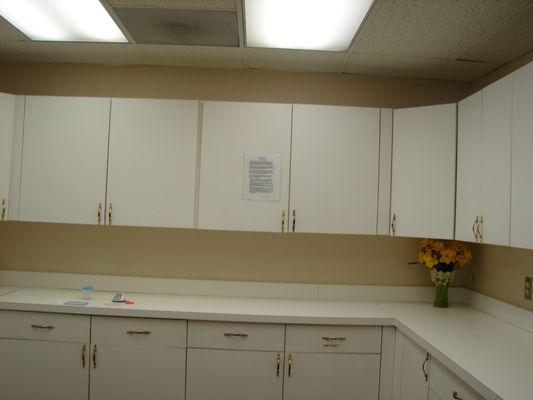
(262, 176)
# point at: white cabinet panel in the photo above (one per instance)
(496, 162)
(315, 376)
(234, 375)
(16, 160)
(334, 169)
(229, 130)
(522, 159)
(423, 173)
(152, 162)
(7, 121)
(138, 373)
(385, 171)
(411, 374)
(446, 385)
(469, 140)
(65, 159)
(43, 370)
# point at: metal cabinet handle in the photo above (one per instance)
(138, 332)
(457, 396)
(278, 364)
(333, 338)
(426, 375)
(94, 356)
(99, 213)
(479, 229)
(110, 214)
(283, 221)
(293, 220)
(3, 218)
(83, 352)
(48, 327)
(393, 225)
(289, 369)
(474, 228)
(236, 334)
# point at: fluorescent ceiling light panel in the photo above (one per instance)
(304, 24)
(62, 20)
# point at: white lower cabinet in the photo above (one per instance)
(234, 375)
(411, 373)
(445, 385)
(137, 359)
(315, 376)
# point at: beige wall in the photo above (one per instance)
(254, 85)
(176, 253)
(182, 253)
(500, 271)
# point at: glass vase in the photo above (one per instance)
(441, 296)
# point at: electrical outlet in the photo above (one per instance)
(528, 287)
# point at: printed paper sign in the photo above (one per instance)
(262, 176)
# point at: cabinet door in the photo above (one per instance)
(423, 171)
(229, 131)
(152, 162)
(234, 375)
(334, 169)
(43, 370)
(468, 205)
(7, 120)
(411, 370)
(65, 159)
(496, 162)
(522, 159)
(315, 376)
(137, 373)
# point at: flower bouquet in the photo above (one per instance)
(443, 259)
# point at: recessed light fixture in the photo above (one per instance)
(62, 20)
(304, 24)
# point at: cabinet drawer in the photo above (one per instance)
(44, 326)
(236, 336)
(139, 331)
(444, 384)
(333, 339)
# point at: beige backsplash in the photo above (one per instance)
(197, 254)
(500, 271)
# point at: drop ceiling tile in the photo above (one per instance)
(95, 53)
(511, 40)
(466, 71)
(22, 51)
(295, 60)
(177, 4)
(382, 65)
(195, 56)
(431, 28)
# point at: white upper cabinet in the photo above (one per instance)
(522, 161)
(484, 165)
(152, 162)
(334, 169)
(469, 139)
(231, 133)
(496, 163)
(7, 121)
(65, 159)
(423, 172)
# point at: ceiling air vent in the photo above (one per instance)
(180, 27)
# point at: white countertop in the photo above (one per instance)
(492, 356)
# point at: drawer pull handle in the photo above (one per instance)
(94, 357)
(138, 332)
(236, 334)
(278, 364)
(426, 375)
(83, 352)
(289, 370)
(329, 345)
(457, 396)
(3, 210)
(49, 327)
(333, 338)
